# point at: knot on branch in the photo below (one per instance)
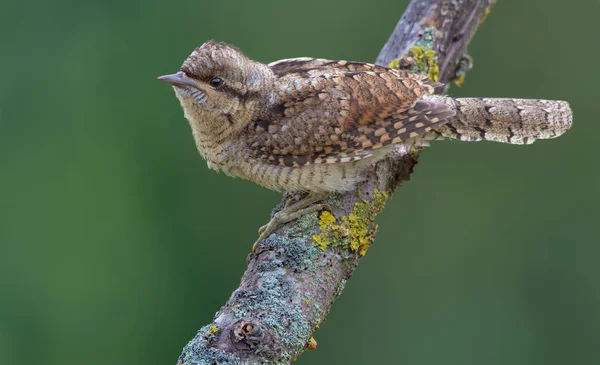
(245, 336)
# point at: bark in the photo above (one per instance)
(296, 274)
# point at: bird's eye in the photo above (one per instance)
(216, 82)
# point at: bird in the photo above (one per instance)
(313, 126)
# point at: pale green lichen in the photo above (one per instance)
(302, 225)
(427, 38)
(340, 288)
(354, 232)
(198, 351)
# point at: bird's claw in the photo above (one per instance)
(285, 216)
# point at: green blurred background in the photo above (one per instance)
(117, 243)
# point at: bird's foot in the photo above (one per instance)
(289, 213)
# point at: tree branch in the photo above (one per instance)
(297, 273)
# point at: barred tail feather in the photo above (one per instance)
(513, 121)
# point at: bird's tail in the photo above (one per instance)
(513, 121)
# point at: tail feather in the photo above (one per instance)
(513, 121)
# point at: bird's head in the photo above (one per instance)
(220, 90)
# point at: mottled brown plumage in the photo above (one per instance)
(334, 115)
(313, 125)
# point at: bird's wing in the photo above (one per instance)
(328, 115)
(305, 64)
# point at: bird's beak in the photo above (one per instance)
(177, 80)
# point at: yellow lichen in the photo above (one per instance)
(311, 344)
(356, 231)
(321, 241)
(326, 223)
(395, 64)
(326, 220)
(359, 224)
(419, 59)
(426, 62)
(213, 329)
(465, 64)
(460, 81)
(487, 12)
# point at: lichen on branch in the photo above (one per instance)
(354, 232)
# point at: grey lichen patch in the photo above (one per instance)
(270, 306)
(296, 255)
(198, 351)
(317, 312)
(427, 38)
(304, 224)
(285, 318)
(340, 288)
(333, 200)
(276, 301)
